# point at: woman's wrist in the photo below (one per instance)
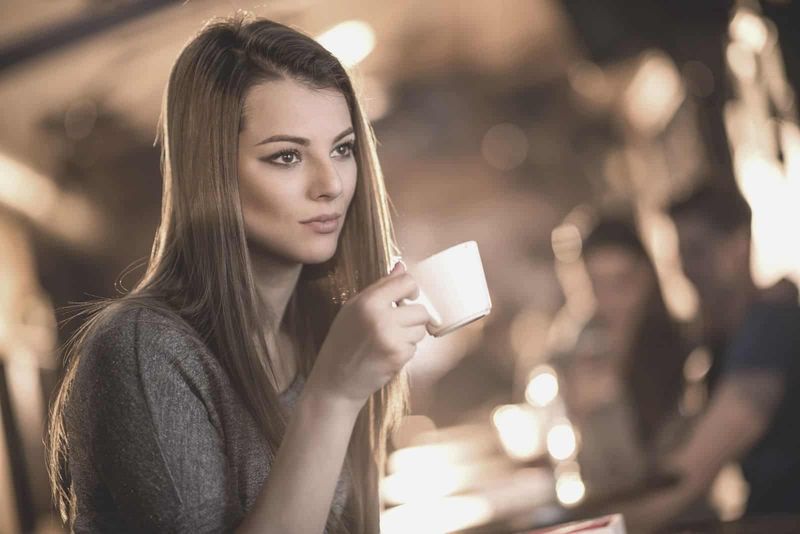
(319, 400)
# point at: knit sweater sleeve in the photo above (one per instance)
(154, 438)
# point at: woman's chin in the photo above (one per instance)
(318, 255)
(309, 252)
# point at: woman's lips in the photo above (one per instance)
(324, 227)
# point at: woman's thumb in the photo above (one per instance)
(398, 268)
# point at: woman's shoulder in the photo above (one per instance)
(132, 324)
(143, 360)
(135, 338)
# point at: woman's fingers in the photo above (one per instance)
(411, 315)
(396, 286)
(416, 334)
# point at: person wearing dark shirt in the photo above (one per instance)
(754, 395)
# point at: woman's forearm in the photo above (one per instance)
(297, 495)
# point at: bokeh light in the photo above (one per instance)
(542, 388)
(410, 428)
(749, 29)
(654, 94)
(570, 489)
(741, 60)
(519, 428)
(440, 515)
(350, 41)
(423, 484)
(562, 443)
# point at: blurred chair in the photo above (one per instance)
(8, 512)
(27, 369)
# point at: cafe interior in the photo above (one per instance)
(526, 126)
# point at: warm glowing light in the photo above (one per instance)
(349, 41)
(424, 456)
(570, 489)
(749, 29)
(561, 441)
(410, 428)
(775, 217)
(655, 93)
(458, 449)
(659, 232)
(728, 493)
(519, 428)
(543, 386)
(790, 146)
(425, 484)
(449, 514)
(741, 60)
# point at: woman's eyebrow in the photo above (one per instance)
(344, 133)
(290, 138)
(298, 140)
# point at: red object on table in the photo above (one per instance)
(610, 524)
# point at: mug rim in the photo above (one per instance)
(448, 249)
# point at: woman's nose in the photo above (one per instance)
(326, 181)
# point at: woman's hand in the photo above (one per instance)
(370, 340)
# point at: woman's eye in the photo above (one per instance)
(284, 157)
(344, 150)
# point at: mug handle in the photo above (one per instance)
(422, 298)
(436, 318)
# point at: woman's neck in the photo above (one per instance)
(275, 283)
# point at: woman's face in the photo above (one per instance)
(621, 280)
(296, 162)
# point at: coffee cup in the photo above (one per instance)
(452, 287)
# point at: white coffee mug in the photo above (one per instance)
(452, 288)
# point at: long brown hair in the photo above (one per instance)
(653, 367)
(199, 267)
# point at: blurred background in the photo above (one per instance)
(518, 124)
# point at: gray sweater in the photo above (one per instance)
(159, 441)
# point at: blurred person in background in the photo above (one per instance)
(754, 337)
(623, 381)
(248, 381)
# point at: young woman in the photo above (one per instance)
(248, 381)
(624, 379)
